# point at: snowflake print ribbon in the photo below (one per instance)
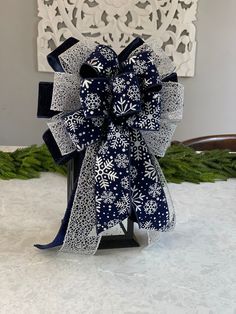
(121, 110)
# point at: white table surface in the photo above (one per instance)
(190, 270)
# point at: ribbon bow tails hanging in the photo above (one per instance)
(121, 111)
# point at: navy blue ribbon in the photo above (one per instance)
(120, 96)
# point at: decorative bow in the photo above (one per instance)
(119, 112)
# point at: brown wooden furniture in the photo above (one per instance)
(224, 141)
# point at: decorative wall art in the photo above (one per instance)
(117, 23)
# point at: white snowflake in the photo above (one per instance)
(72, 121)
(150, 207)
(112, 223)
(140, 66)
(138, 145)
(125, 183)
(104, 172)
(77, 142)
(123, 204)
(118, 84)
(107, 53)
(122, 161)
(155, 190)
(117, 137)
(133, 92)
(108, 197)
(97, 121)
(133, 172)
(149, 118)
(136, 198)
(123, 106)
(150, 170)
(85, 83)
(96, 64)
(92, 101)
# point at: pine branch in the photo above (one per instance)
(180, 164)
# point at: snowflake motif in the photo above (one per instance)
(112, 223)
(104, 172)
(150, 207)
(133, 93)
(149, 118)
(136, 198)
(92, 101)
(133, 172)
(118, 84)
(150, 170)
(125, 183)
(155, 190)
(122, 161)
(138, 145)
(107, 53)
(118, 138)
(96, 64)
(76, 142)
(148, 225)
(140, 66)
(72, 121)
(123, 205)
(97, 121)
(108, 197)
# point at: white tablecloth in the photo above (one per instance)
(190, 270)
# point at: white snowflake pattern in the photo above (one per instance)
(138, 145)
(123, 205)
(122, 161)
(97, 121)
(108, 197)
(92, 101)
(125, 183)
(86, 83)
(112, 223)
(136, 198)
(72, 121)
(104, 172)
(133, 92)
(133, 172)
(150, 170)
(150, 207)
(118, 84)
(140, 66)
(77, 142)
(96, 64)
(107, 53)
(123, 106)
(117, 137)
(155, 190)
(148, 119)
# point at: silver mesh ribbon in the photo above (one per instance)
(81, 234)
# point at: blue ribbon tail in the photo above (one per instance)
(59, 239)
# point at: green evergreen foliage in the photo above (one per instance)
(180, 164)
(27, 163)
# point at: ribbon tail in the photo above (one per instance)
(81, 234)
(59, 238)
(148, 196)
(112, 179)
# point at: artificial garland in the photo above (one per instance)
(180, 164)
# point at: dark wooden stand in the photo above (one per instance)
(110, 241)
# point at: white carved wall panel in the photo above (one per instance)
(117, 22)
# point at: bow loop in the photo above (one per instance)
(126, 94)
(142, 64)
(102, 62)
(95, 96)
